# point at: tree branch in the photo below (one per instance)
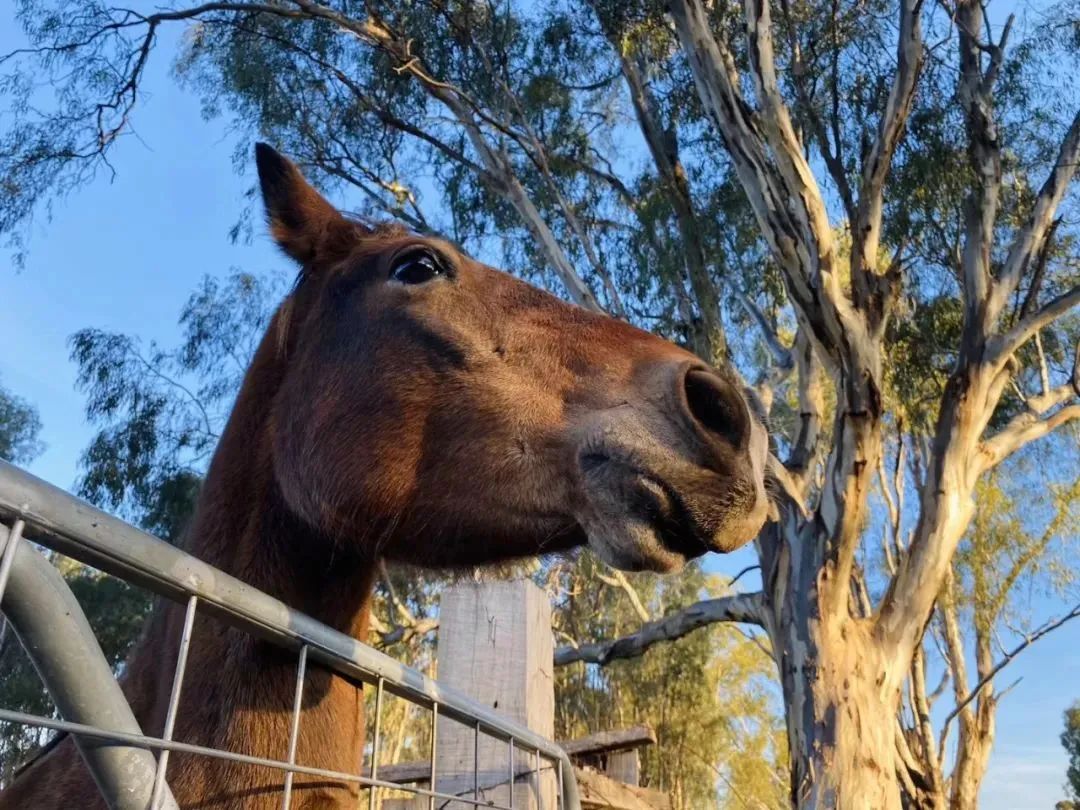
(1003, 347)
(618, 580)
(1024, 429)
(1032, 238)
(975, 91)
(780, 189)
(664, 147)
(746, 608)
(1004, 662)
(781, 354)
(866, 229)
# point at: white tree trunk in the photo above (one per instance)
(842, 696)
(841, 683)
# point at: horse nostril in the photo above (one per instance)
(717, 406)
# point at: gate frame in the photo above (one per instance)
(55, 519)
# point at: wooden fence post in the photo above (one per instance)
(495, 645)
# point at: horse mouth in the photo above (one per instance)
(638, 520)
(661, 505)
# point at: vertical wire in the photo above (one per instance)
(562, 794)
(174, 702)
(373, 790)
(512, 769)
(298, 697)
(8, 560)
(434, 738)
(539, 795)
(476, 763)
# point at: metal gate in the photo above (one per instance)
(40, 607)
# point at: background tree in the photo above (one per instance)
(1070, 739)
(1020, 541)
(19, 429)
(708, 696)
(881, 191)
(19, 686)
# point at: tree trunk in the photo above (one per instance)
(841, 694)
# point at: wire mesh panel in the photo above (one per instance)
(34, 510)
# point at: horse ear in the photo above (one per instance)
(302, 222)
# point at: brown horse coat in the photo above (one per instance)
(412, 404)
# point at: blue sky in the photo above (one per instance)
(123, 255)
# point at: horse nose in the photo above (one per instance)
(717, 407)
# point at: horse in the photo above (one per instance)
(408, 403)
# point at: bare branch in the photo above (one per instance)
(956, 659)
(1030, 639)
(984, 154)
(1003, 347)
(782, 355)
(773, 173)
(831, 153)
(1024, 429)
(618, 580)
(866, 229)
(1034, 422)
(1032, 238)
(746, 608)
(664, 147)
(920, 707)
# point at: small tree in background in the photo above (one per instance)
(19, 429)
(19, 685)
(1070, 739)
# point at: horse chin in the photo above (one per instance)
(634, 546)
(634, 521)
(639, 520)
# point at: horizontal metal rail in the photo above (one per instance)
(73, 527)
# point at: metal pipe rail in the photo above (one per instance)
(55, 634)
(59, 521)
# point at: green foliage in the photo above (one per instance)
(1022, 540)
(709, 696)
(1070, 739)
(19, 429)
(160, 411)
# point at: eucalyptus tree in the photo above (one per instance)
(1020, 542)
(880, 189)
(19, 428)
(1070, 739)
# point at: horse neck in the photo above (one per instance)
(243, 527)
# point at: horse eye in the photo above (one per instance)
(417, 267)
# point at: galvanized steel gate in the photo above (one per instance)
(52, 628)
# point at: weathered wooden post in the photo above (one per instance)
(495, 645)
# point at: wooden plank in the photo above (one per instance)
(598, 791)
(604, 741)
(623, 766)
